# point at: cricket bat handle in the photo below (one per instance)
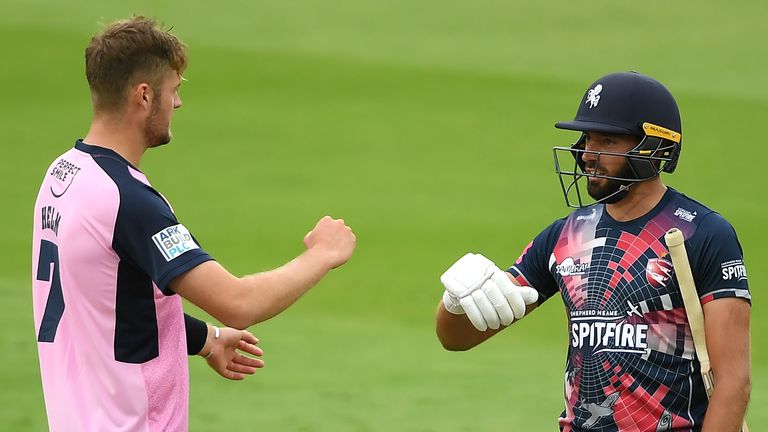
(676, 244)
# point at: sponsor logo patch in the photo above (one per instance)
(685, 214)
(174, 241)
(65, 172)
(588, 217)
(571, 268)
(607, 331)
(734, 269)
(658, 272)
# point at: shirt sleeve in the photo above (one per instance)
(197, 333)
(148, 235)
(717, 260)
(532, 267)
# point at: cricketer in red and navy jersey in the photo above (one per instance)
(631, 362)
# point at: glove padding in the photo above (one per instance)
(475, 286)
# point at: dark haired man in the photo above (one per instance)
(631, 362)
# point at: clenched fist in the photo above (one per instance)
(475, 286)
(333, 239)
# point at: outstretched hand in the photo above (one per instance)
(226, 353)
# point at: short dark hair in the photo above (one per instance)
(126, 53)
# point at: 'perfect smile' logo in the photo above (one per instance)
(65, 172)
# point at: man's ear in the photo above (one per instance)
(142, 95)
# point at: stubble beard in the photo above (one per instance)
(156, 133)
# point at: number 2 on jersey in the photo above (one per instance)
(54, 307)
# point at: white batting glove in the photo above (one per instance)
(475, 286)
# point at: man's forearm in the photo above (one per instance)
(242, 302)
(727, 332)
(727, 406)
(456, 333)
(275, 290)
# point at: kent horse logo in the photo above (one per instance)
(593, 96)
(659, 272)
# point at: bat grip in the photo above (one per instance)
(709, 382)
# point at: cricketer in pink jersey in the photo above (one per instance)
(111, 261)
(631, 363)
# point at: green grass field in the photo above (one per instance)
(428, 126)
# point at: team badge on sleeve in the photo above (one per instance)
(174, 241)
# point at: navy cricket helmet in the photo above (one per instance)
(624, 103)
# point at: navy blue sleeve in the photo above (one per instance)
(147, 233)
(717, 260)
(532, 268)
(197, 333)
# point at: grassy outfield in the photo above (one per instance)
(428, 127)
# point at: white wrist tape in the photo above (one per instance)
(216, 334)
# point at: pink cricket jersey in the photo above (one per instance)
(111, 338)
